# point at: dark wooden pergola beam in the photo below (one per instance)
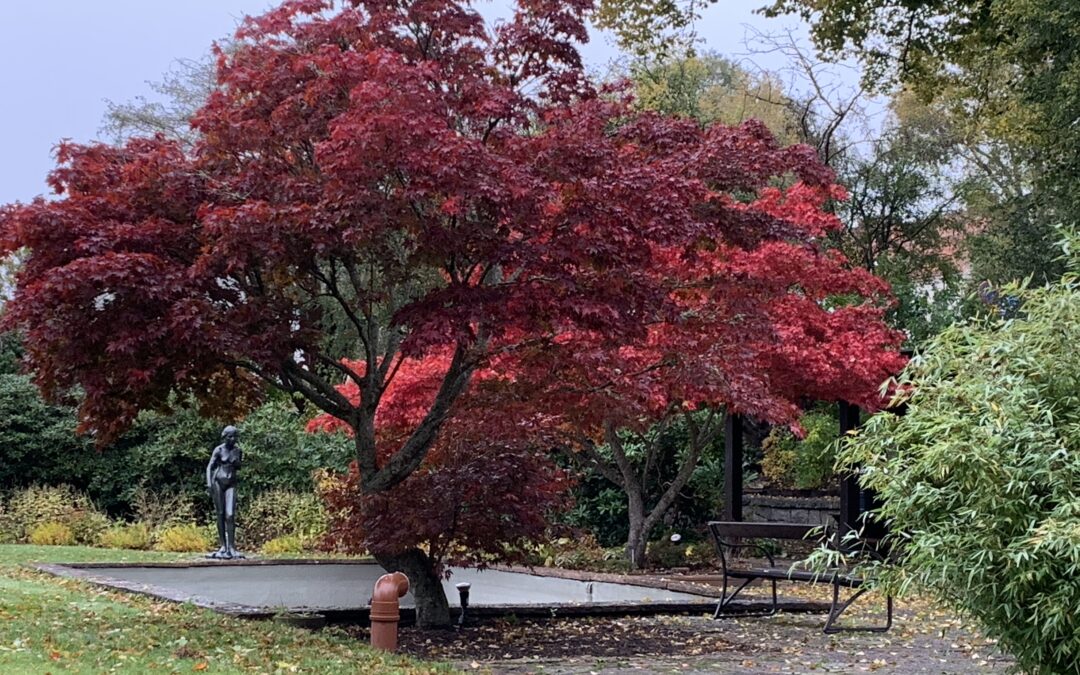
(733, 467)
(851, 507)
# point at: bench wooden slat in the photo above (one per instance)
(783, 574)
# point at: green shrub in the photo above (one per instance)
(38, 440)
(167, 454)
(87, 526)
(981, 476)
(283, 545)
(52, 534)
(668, 554)
(579, 552)
(665, 553)
(8, 532)
(160, 453)
(700, 554)
(279, 513)
(182, 539)
(37, 505)
(159, 509)
(135, 537)
(807, 463)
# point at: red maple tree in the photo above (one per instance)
(485, 490)
(394, 172)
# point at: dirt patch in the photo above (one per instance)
(498, 640)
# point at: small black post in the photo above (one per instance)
(733, 467)
(850, 506)
(463, 593)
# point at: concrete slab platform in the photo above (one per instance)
(342, 589)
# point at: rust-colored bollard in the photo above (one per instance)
(385, 613)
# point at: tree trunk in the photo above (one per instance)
(638, 537)
(432, 608)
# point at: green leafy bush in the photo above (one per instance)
(578, 552)
(163, 508)
(37, 505)
(284, 545)
(38, 440)
(981, 477)
(667, 554)
(134, 536)
(182, 539)
(51, 534)
(807, 463)
(7, 526)
(664, 553)
(279, 513)
(87, 526)
(160, 454)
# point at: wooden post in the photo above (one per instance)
(733, 467)
(850, 503)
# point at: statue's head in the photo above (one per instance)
(230, 433)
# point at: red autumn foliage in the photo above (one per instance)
(469, 505)
(484, 490)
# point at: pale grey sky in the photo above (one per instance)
(60, 60)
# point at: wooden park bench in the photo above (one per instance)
(734, 536)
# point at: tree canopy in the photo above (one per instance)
(1002, 75)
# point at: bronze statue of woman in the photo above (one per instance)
(221, 482)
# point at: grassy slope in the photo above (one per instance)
(50, 625)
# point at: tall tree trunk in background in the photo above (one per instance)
(638, 536)
(634, 480)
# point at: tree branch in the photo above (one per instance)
(406, 460)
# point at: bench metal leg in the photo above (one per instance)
(725, 600)
(839, 608)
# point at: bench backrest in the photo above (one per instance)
(745, 530)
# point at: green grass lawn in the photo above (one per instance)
(51, 625)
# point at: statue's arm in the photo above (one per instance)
(210, 469)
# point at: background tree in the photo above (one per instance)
(906, 218)
(711, 88)
(180, 93)
(654, 28)
(601, 507)
(1003, 72)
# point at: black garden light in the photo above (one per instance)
(463, 593)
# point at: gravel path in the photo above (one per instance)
(924, 639)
